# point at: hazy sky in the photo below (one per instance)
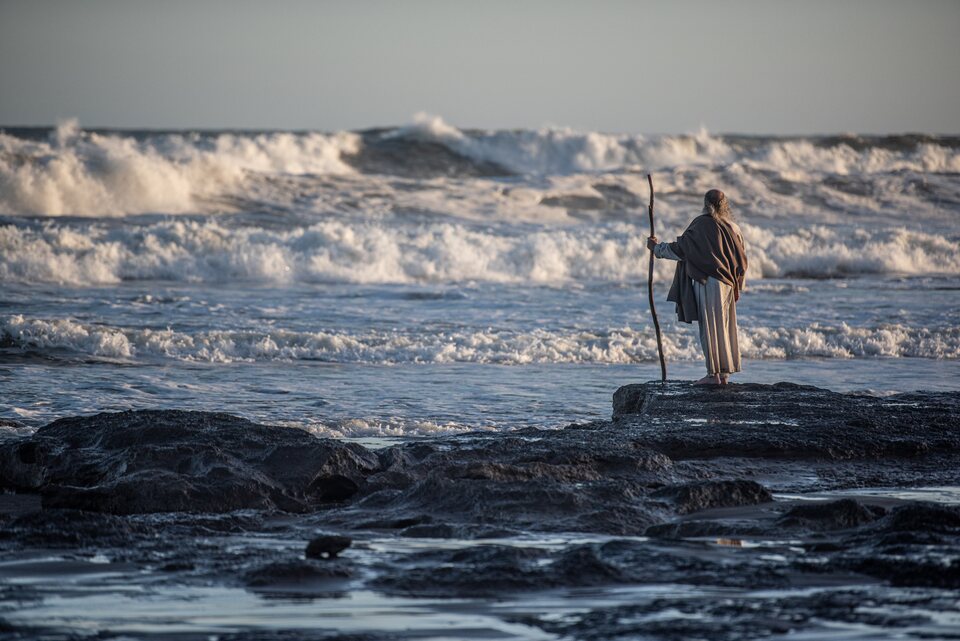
(765, 66)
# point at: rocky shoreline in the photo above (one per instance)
(742, 488)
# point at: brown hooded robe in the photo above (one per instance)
(707, 248)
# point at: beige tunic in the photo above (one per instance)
(718, 320)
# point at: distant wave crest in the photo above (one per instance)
(75, 172)
(70, 171)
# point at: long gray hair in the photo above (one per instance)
(715, 203)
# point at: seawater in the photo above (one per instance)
(426, 279)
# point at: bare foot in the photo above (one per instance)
(724, 379)
(709, 379)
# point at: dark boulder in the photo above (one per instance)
(483, 570)
(785, 421)
(914, 570)
(327, 546)
(923, 517)
(497, 569)
(74, 528)
(835, 515)
(685, 529)
(170, 461)
(703, 495)
(298, 574)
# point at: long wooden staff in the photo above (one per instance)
(653, 307)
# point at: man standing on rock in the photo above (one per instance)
(708, 281)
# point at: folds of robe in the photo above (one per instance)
(715, 307)
(718, 326)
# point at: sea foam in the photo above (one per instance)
(508, 347)
(371, 251)
(92, 174)
(84, 173)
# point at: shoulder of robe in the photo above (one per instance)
(701, 220)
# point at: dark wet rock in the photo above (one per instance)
(690, 468)
(61, 528)
(914, 545)
(693, 497)
(607, 476)
(327, 546)
(13, 505)
(162, 461)
(742, 617)
(923, 517)
(497, 569)
(210, 524)
(504, 473)
(693, 529)
(332, 487)
(299, 573)
(921, 568)
(569, 480)
(395, 523)
(536, 504)
(786, 421)
(435, 531)
(630, 399)
(476, 570)
(504, 458)
(834, 515)
(22, 464)
(587, 565)
(693, 563)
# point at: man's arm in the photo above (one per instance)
(662, 250)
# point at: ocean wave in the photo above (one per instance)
(617, 345)
(561, 150)
(828, 252)
(370, 251)
(75, 172)
(88, 173)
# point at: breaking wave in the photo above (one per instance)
(74, 172)
(342, 250)
(69, 171)
(618, 345)
(565, 151)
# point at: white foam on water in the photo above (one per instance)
(95, 174)
(337, 250)
(819, 251)
(91, 174)
(614, 346)
(388, 428)
(563, 150)
(844, 341)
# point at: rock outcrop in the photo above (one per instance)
(177, 461)
(671, 449)
(786, 421)
(685, 486)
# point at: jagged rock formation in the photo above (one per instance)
(171, 461)
(670, 449)
(701, 472)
